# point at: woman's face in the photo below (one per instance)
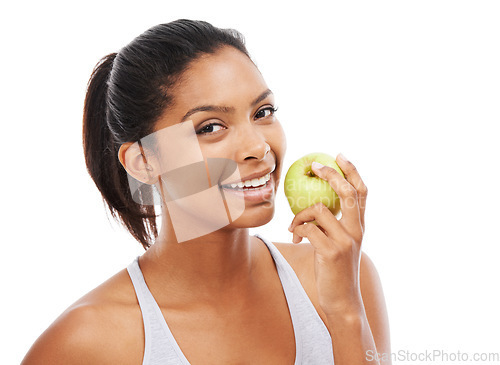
(223, 109)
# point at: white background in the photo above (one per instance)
(407, 90)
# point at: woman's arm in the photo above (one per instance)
(349, 291)
(361, 334)
(375, 309)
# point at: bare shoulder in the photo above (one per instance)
(103, 323)
(299, 256)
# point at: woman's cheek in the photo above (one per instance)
(277, 141)
(282, 139)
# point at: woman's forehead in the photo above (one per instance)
(219, 77)
(225, 79)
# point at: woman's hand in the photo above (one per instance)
(337, 243)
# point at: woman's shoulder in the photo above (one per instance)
(86, 332)
(299, 256)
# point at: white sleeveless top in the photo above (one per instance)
(312, 339)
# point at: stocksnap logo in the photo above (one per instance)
(174, 167)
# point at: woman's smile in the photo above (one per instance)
(254, 190)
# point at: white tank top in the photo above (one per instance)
(312, 339)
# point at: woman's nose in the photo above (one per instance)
(252, 144)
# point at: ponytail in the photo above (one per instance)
(101, 157)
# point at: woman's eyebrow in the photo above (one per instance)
(261, 97)
(206, 108)
(222, 109)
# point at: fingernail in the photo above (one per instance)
(342, 157)
(316, 165)
(290, 227)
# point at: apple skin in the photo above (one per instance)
(303, 188)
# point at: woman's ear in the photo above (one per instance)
(138, 163)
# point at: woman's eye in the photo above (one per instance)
(265, 112)
(208, 129)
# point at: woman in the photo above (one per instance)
(181, 105)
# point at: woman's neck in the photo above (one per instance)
(219, 266)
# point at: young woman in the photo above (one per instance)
(182, 101)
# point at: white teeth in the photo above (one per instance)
(252, 183)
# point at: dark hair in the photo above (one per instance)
(126, 94)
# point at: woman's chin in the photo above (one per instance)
(255, 216)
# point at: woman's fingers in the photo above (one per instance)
(353, 177)
(328, 225)
(313, 234)
(347, 194)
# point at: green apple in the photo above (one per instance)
(303, 188)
